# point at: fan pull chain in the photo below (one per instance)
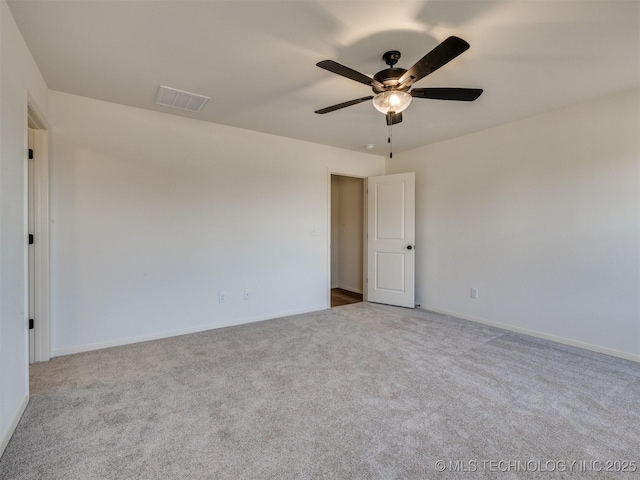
(390, 141)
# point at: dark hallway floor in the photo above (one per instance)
(341, 297)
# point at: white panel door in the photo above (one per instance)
(391, 240)
(31, 248)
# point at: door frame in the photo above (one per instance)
(345, 173)
(42, 283)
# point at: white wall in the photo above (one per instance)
(543, 217)
(19, 79)
(154, 214)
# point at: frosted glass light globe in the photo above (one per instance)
(391, 101)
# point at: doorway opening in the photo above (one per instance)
(348, 234)
(37, 222)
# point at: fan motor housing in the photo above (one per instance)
(389, 78)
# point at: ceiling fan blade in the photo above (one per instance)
(335, 67)
(436, 58)
(344, 104)
(393, 118)
(462, 94)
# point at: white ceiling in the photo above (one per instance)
(256, 59)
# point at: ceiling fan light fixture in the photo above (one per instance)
(391, 101)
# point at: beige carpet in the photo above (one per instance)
(363, 391)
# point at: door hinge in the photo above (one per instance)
(30, 239)
(31, 154)
(31, 324)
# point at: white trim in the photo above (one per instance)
(534, 333)
(39, 117)
(25, 244)
(42, 257)
(41, 221)
(175, 333)
(8, 433)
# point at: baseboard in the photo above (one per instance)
(7, 434)
(175, 333)
(534, 333)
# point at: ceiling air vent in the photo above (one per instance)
(172, 97)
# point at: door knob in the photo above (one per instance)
(410, 247)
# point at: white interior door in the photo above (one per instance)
(391, 240)
(31, 254)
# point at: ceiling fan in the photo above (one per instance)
(392, 86)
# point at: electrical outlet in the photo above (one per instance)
(313, 231)
(247, 294)
(222, 297)
(474, 293)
